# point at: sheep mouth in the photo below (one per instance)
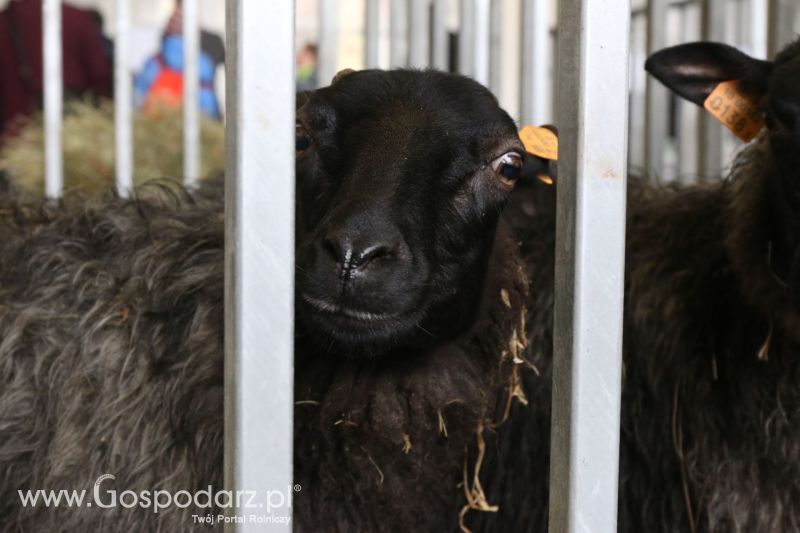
(353, 327)
(330, 308)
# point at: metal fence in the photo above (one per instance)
(513, 47)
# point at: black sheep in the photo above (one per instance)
(711, 393)
(410, 323)
(712, 374)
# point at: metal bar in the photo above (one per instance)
(53, 98)
(328, 41)
(419, 34)
(496, 30)
(466, 38)
(656, 95)
(535, 59)
(371, 32)
(191, 93)
(259, 254)
(123, 116)
(688, 113)
(781, 21)
(590, 254)
(398, 51)
(440, 36)
(482, 24)
(710, 152)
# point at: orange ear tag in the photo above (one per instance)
(735, 110)
(540, 142)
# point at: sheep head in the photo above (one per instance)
(401, 178)
(693, 71)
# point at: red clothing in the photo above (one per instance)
(85, 65)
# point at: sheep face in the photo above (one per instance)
(693, 70)
(401, 177)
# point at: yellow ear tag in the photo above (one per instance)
(735, 110)
(540, 142)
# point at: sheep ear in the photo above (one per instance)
(693, 70)
(341, 74)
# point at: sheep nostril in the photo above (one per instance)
(352, 257)
(370, 253)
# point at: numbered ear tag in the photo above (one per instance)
(540, 142)
(735, 110)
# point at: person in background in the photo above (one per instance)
(160, 82)
(307, 68)
(105, 40)
(87, 69)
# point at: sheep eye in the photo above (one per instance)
(508, 167)
(301, 139)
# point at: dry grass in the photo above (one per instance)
(89, 148)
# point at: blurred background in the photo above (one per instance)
(509, 45)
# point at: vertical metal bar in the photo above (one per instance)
(535, 59)
(466, 38)
(259, 253)
(713, 28)
(781, 24)
(440, 36)
(688, 113)
(371, 32)
(191, 93)
(328, 41)
(419, 32)
(398, 52)
(496, 29)
(53, 98)
(758, 17)
(590, 255)
(773, 24)
(636, 105)
(482, 24)
(123, 125)
(656, 96)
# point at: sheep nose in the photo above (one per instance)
(354, 254)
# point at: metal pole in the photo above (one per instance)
(53, 98)
(371, 32)
(688, 113)
(482, 21)
(496, 29)
(466, 38)
(123, 125)
(328, 41)
(535, 53)
(191, 93)
(398, 52)
(419, 32)
(590, 255)
(710, 153)
(440, 36)
(656, 96)
(781, 21)
(759, 17)
(259, 253)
